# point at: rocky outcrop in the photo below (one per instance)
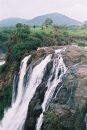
(74, 90)
(35, 108)
(70, 103)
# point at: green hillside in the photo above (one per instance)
(11, 22)
(57, 18)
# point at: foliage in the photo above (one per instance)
(50, 121)
(5, 34)
(81, 43)
(85, 25)
(48, 22)
(23, 40)
(3, 48)
(19, 49)
(2, 68)
(23, 31)
(5, 99)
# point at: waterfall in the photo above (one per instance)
(25, 86)
(14, 117)
(10, 113)
(2, 62)
(59, 69)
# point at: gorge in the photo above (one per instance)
(52, 85)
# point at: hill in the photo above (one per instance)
(57, 18)
(11, 22)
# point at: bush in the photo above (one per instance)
(81, 43)
(5, 99)
(3, 68)
(59, 42)
(19, 49)
(85, 37)
(50, 122)
(40, 36)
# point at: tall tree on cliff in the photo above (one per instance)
(48, 22)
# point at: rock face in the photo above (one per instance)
(35, 108)
(70, 104)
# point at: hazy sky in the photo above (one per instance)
(76, 9)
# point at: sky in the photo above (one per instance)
(28, 9)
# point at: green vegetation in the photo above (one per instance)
(47, 35)
(22, 40)
(81, 43)
(50, 122)
(57, 18)
(67, 50)
(5, 99)
(48, 22)
(5, 34)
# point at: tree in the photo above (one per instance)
(23, 31)
(19, 26)
(50, 121)
(85, 24)
(48, 22)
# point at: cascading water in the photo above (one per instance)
(2, 62)
(15, 116)
(59, 70)
(6, 124)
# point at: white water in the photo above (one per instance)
(10, 113)
(22, 72)
(2, 62)
(58, 65)
(15, 116)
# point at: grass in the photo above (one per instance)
(77, 32)
(68, 51)
(40, 30)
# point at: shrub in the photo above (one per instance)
(85, 37)
(19, 49)
(5, 99)
(59, 42)
(50, 121)
(40, 36)
(3, 68)
(81, 43)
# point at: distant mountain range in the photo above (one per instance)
(57, 18)
(11, 22)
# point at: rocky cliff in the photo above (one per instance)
(69, 106)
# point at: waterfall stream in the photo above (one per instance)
(59, 70)
(14, 118)
(9, 115)
(2, 62)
